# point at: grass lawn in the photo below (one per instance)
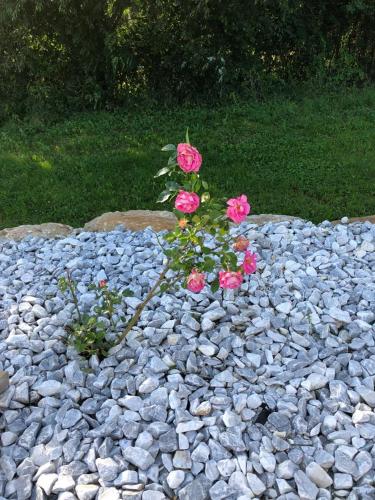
(314, 158)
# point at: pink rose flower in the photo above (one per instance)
(187, 202)
(230, 279)
(241, 244)
(196, 281)
(249, 264)
(238, 208)
(188, 158)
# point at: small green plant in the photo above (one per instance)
(89, 333)
(188, 260)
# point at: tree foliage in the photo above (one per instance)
(95, 53)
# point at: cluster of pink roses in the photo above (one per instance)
(190, 160)
(233, 279)
(227, 279)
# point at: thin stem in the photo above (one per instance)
(176, 278)
(158, 240)
(141, 306)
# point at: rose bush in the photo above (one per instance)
(189, 260)
(88, 333)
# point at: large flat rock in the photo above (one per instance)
(351, 220)
(137, 220)
(134, 220)
(261, 219)
(47, 230)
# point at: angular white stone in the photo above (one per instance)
(175, 478)
(46, 482)
(256, 484)
(284, 307)
(318, 475)
(314, 381)
(86, 491)
(191, 425)
(49, 388)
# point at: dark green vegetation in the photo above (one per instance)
(88, 333)
(313, 157)
(94, 54)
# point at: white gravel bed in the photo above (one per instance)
(264, 393)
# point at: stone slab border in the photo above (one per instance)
(136, 220)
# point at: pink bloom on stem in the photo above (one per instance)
(187, 202)
(241, 244)
(249, 264)
(196, 281)
(102, 283)
(230, 279)
(238, 208)
(188, 158)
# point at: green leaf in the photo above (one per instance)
(232, 259)
(169, 252)
(172, 160)
(209, 264)
(164, 287)
(215, 285)
(63, 285)
(205, 197)
(162, 171)
(172, 186)
(169, 147)
(205, 185)
(176, 266)
(210, 261)
(127, 292)
(170, 237)
(164, 196)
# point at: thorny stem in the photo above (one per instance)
(139, 309)
(158, 240)
(151, 294)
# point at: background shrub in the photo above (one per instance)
(64, 54)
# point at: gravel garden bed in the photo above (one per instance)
(266, 393)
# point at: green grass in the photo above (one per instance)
(312, 157)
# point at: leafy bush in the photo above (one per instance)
(88, 334)
(189, 260)
(97, 53)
